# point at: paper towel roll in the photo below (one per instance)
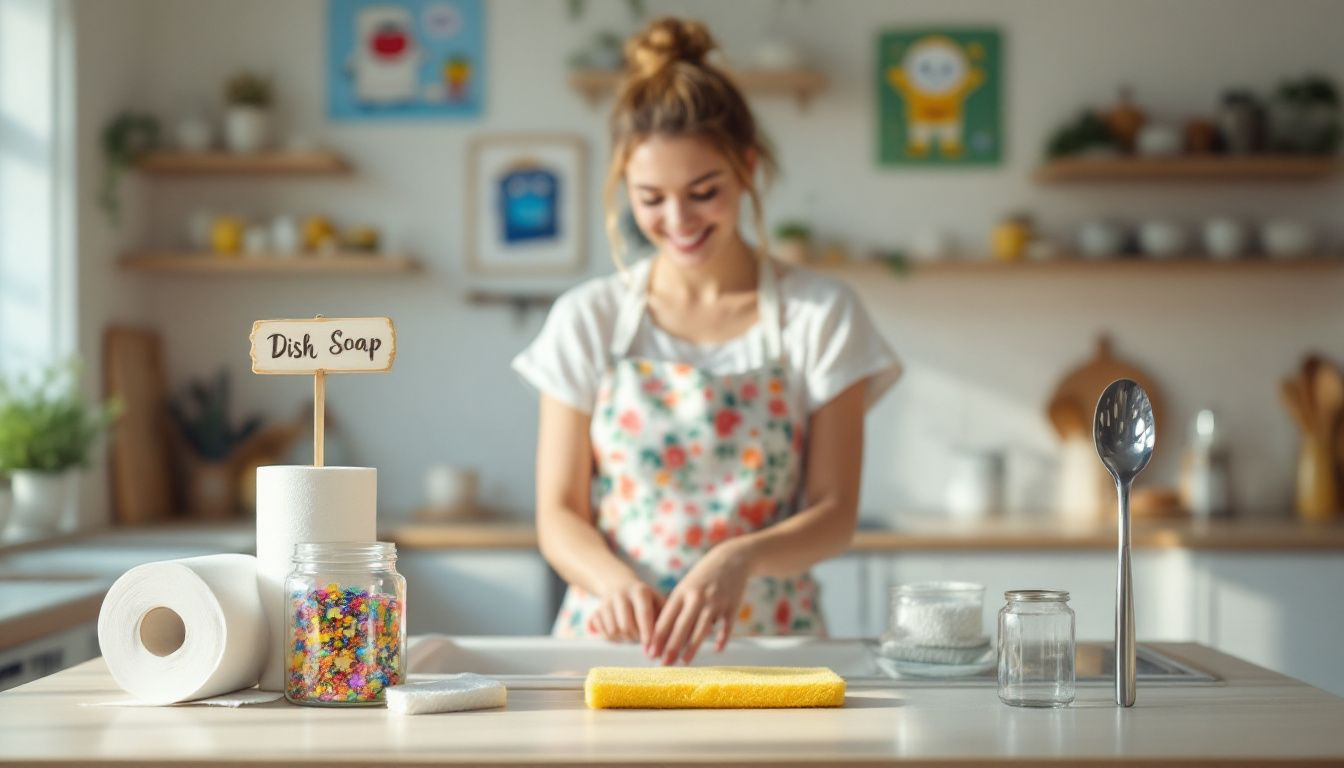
(184, 629)
(298, 504)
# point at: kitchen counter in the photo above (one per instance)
(49, 586)
(1254, 717)
(941, 535)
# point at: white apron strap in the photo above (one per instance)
(631, 312)
(636, 297)
(771, 312)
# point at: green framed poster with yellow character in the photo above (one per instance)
(939, 97)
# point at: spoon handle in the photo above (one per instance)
(1125, 682)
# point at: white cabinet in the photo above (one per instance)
(42, 657)
(843, 582)
(491, 592)
(1284, 611)
(1281, 611)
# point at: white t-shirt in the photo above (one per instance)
(829, 342)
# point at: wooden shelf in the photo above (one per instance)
(801, 84)
(209, 263)
(1192, 168)
(315, 163)
(1074, 265)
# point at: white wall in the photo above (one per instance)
(109, 77)
(982, 352)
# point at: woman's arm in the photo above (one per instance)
(569, 538)
(825, 525)
(711, 592)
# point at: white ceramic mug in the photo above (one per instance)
(1158, 140)
(1226, 237)
(1286, 238)
(931, 245)
(450, 491)
(1100, 238)
(1161, 238)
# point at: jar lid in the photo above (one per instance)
(1036, 596)
(349, 552)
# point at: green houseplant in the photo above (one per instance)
(247, 117)
(205, 423)
(793, 241)
(46, 433)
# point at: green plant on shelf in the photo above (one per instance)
(202, 415)
(1086, 133)
(125, 138)
(793, 230)
(44, 423)
(246, 89)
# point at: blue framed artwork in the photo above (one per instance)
(526, 209)
(405, 58)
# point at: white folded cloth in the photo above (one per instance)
(451, 693)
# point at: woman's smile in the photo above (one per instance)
(691, 243)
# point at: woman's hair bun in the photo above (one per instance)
(665, 41)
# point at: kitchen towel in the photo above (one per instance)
(187, 629)
(449, 693)
(304, 504)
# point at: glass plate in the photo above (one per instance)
(900, 667)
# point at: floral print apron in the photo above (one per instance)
(686, 459)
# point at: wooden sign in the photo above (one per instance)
(324, 344)
(319, 346)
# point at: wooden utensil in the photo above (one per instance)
(1298, 402)
(1084, 384)
(1068, 417)
(1327, 397)
(140, 457)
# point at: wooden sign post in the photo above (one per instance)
(320, 346)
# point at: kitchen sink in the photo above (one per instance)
(545, 662)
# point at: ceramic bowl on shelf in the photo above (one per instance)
(1161, 238)
(1226, 237)
(1159, 140)
(1100, 239)
(931, 245)
(1287, 239)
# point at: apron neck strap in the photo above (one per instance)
(636, 298)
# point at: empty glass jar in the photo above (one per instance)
(1036, 648)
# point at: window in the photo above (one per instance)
(36, 322)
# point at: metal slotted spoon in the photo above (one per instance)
(1124, 433)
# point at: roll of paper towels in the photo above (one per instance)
(304, 504)
(185, 629)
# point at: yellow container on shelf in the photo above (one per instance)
(1008, 241)
(226, 235)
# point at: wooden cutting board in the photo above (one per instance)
(1074, 402)
(140, 457)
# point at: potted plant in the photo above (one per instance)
(247, 116)
(213, 442)
(46, 431)
(793, 242)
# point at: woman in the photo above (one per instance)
(701, 427)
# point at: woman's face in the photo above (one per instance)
(685, 198)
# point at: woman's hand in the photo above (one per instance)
(627, 611)
(710, 593)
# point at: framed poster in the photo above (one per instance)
(939, 97)
(405, 58)
(526, 213)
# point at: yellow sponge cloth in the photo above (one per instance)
(712, 687)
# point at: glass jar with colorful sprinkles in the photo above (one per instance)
(346, 622)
